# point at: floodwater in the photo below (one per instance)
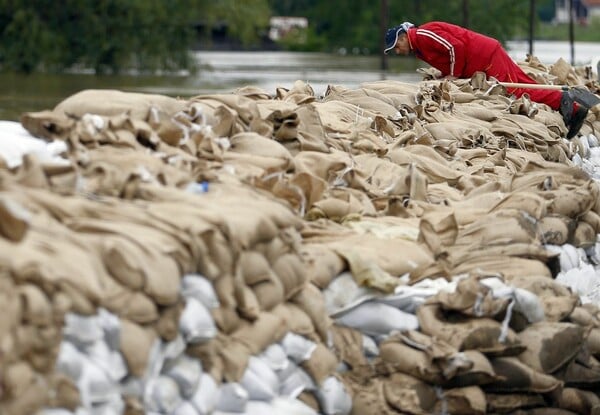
(227, 71)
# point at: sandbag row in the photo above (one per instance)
(396, 193)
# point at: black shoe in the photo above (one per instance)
(573, 119)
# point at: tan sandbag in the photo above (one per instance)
(480, 373)
(14, 219)
(483, 334)
(254, 267)
(558, 300)
(321, 364)
(579, 401)
(234, 356)
(507, 402)
(462, 401)
(584, 236)
(65, 393)
(50, 125)
(265, 330)
(296, 320)
(322, 264)
(290, 269)
(371, 398)
(515, 376)
(310, 300)
(25, 391)
(258, 151)
(426, 358)
(550, 344)
(167, 325)
(556, 229)
(583, 371)
(135, 345)
(269, 293)
(470, 298)
(408, 394)
(348, 346)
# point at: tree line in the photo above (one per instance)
(110, 36)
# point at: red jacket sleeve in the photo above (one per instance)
(442, 50)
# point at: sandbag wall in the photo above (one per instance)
(331, 230)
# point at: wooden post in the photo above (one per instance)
(531, 25)
(383, 25)
(465, 10)
(571, 32)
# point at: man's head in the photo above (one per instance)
(397, 39)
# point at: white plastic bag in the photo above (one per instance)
(259, 380)
(196, 323)
(376, 319)
(297, 348)
(333, 397)
(206, 396)
(162, 395)
(186, 372)
(199, 287)
(232, 398)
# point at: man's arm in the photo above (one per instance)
(443, 51)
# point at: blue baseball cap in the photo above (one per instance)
(392, 34)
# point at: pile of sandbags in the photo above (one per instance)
(389, 249)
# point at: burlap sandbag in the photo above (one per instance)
(550, 344)
(579, 401)
(426, 358)
(370, 398)
(24, 390)
(503, 403)
(408, 394)
(462, 401)
(470, 298)
(135, 345)
(322, 264)
(558, 300)
(515, 376)
(321, 364)
(464, 333)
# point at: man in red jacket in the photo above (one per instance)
(459, 53)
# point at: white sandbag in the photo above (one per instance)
(115, 406)
(274, 355)
(109, 360)
(196, 323)
(199, 287)
(161, 395)
(296, 381)
(186, 372)
(407, 298)
(55, 411)
(95, 386)
(333, 397)
(569, 256)
(287, 406)
(297, 348)
(376, 319)
(525, 302)
(343, 293)
(584, 281)
(82, 330)
(111, 326)
(370, 348)
(70, 360)
(185, 408)
(206, 396)
(162, 353)
(15, 142)
(232, 398)
(259, 380)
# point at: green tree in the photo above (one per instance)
(106, 35)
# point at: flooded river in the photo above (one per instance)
(226, 71)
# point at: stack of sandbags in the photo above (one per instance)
(325, 229)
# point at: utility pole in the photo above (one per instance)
(571, 33)
(383, 24)
(531, 25)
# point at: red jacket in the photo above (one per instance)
(452, 49)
